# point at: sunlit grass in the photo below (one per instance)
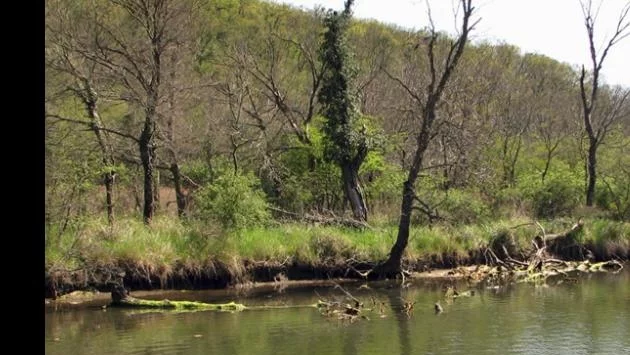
(169, 241)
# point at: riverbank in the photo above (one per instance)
(175, 255)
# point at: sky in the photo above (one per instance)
(554, 28)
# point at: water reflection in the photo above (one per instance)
(590, 316)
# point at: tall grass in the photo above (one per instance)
(170, 241)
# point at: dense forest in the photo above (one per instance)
(231, 114)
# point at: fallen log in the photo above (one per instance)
(121, 298)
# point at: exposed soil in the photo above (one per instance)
(212, 276)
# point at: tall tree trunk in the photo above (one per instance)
(146, 156)
(345, 145)
(393, 265)
(148, 149)
(543, 175)
(354, 192)
(109, 196)
(592, 172)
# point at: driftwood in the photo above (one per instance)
(541, 264)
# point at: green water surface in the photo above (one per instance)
(590, 316)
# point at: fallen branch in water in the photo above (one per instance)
(121, 298)
(340, 310)
(543, 261)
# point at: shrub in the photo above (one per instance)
(556, 197)
(198, 171)
(308, 181)
(382, 181)
(560, 194)
(613, 194)
(465, 207)
(233, 200)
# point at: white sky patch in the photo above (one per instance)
(554, 28)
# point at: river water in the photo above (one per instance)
(589, 316)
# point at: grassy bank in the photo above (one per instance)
(90, 253)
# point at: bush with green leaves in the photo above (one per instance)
(234, 200)
(560, 194)
(613, 195)
(198, 171)
(309, 182)
(382, 180)
(612, 191)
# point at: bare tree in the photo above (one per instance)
(596, 129)
(63, 56)
(182, 92)
(133, 48)
(440, 73)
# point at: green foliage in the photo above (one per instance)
(345, 143)
(613, 187)
(558, 195)
(233, 200)
(495, 89)
(465, 207)
(613, 194)
(198, 171)
(309, 182)
(382, 180)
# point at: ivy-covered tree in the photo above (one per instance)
(345, 143)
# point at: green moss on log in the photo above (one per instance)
(178, 305)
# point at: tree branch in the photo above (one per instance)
(92, 126)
